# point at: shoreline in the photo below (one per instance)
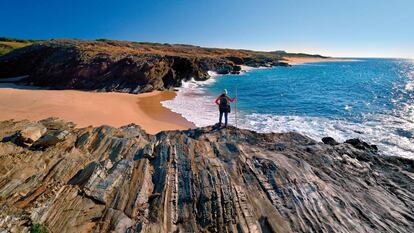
(85, 109)
(185, 92)
(302, 60)
(92, 108)
(297, 61)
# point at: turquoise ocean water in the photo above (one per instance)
(372, 99)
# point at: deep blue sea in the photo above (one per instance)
(372, 99)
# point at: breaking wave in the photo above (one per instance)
(385, 117)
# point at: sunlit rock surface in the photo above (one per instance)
(203, 180)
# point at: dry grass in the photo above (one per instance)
(140, 48)
(14, 44)
(8, 46)
(136, 48)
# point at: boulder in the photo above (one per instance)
(224, 69)
(359, 144)
(329, 141)
(30, 134)
(51, 138)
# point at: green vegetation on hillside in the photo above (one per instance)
(9, 44)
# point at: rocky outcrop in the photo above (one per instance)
(201, 180)
(122, 66)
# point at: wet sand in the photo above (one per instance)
(91, 108)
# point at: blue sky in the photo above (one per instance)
(353, 28)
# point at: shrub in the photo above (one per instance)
(38, 228)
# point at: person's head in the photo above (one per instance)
(225, 92)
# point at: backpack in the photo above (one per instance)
(224, 103)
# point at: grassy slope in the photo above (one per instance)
(10, 44)
(184, 50)
(114, 47)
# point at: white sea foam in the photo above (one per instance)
(193, 103)
(196, 105)
(379, 129)
(409, 86)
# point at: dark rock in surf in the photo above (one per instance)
(359, 144)
(329, 141)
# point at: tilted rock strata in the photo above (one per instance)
(203, 180)
(122, 66)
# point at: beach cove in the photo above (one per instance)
(91, 108)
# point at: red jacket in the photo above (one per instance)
(228, 98)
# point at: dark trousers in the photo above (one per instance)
(225, 117)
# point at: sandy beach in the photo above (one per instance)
(91, 108)
(300, 60)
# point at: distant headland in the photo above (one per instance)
(123, 66)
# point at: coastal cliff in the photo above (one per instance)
(104, 179)
(122, 66)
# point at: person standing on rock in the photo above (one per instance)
(223, 102)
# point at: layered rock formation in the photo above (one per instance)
(203, 180)
(123, 66)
